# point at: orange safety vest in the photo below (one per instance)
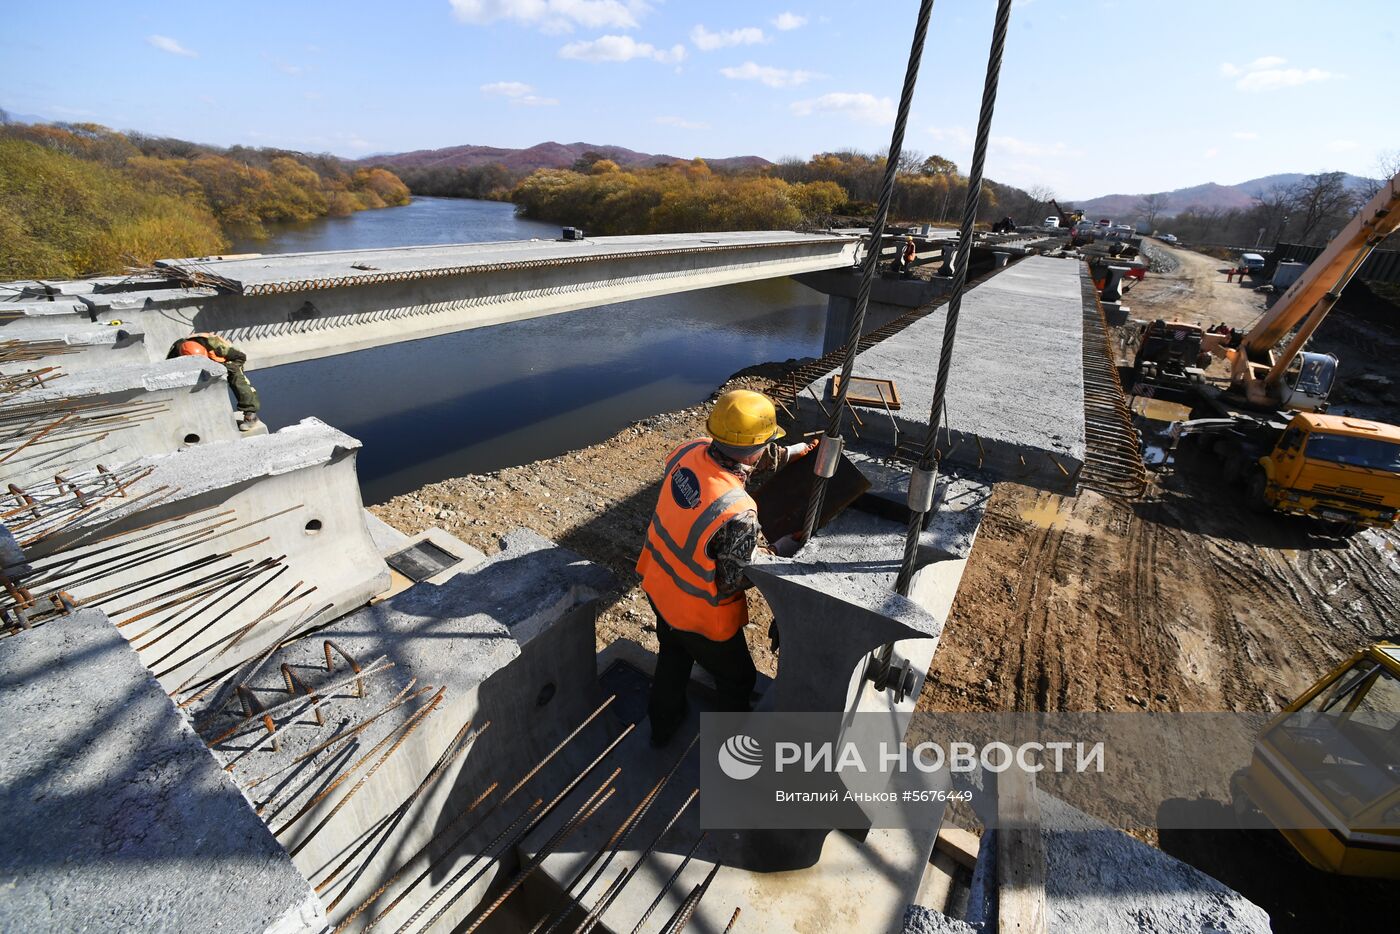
(697, 497)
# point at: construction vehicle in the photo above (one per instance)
(1067, 218)
(1326, 772)
(1344, 471)
(1169, 356)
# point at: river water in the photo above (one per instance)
(493, 397)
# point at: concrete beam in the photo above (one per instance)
(172, 404)
(117, 817)
(291, 495)
(509, 643)
(292, 307)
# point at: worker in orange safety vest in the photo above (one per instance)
(702, 536)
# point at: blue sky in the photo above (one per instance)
(1097, 96)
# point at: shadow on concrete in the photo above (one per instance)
(1261, 866)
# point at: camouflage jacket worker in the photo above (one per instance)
(733, 545)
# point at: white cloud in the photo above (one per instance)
(953, 134)
(1268, 74)
(518, 93)
(553, 16)
(773, 77)
(1210, 153)
(1245, 134)
(167, 44)
(506, 89)
(861, 107)
(682, 123)
(1343, 145)
(707, 41)
(620, 49)
(786, 21)
(1010, 145)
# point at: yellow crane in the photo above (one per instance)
(1269, 426)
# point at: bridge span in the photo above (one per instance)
(289, 307)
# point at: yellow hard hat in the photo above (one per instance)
(744, 419)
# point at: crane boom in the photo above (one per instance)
(1307, 302)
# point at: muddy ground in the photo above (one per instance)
(1181, 601)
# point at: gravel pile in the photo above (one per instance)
(1158, 261)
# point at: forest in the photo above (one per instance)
(81, 199)
(604, 198)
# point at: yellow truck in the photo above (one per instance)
(1340, 470)
(1326, 772)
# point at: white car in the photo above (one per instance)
(1052, 221)
(1168, 238)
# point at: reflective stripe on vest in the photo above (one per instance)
(697, 497)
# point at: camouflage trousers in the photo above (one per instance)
(243, 390)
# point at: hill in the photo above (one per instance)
(1207, 196)
(550, 155)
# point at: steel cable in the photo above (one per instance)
(872, 259)
(927, 461)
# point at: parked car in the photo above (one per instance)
(1252, 263)
(1168, 238)
(1121, 231)
(1052, 221)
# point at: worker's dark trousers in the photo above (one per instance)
(727, 662)
(243, 391)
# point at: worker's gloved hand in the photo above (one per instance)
(787, 546)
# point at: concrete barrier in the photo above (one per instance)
(117, 817)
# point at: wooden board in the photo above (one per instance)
(868, 390)
(782, 501)
(1020, 856)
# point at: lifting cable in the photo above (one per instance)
(922, 479)
(924, 476)
(829, 452)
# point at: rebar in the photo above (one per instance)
(581, 816)
(459, 744)
(661, 893)
(614, 890)
(410, 725)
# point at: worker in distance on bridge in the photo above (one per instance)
(701, 538)
(214, 347)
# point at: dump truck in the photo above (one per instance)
(1340, 470)
(1326, 772)
(1344, 471)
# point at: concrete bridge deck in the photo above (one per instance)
(291, 307)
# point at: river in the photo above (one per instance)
(483, 399)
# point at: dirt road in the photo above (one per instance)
(1196, 291)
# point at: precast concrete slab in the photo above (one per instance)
(1100, 879)
(292, 307)
(123, 413)
(117, 818)
(212, 552)
(1015, 398)
(505, 648)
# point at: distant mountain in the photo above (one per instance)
(549, 155)
(1209, 195)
